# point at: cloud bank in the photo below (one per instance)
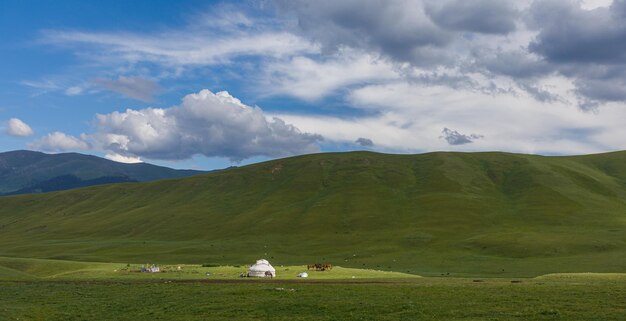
(541, 76)
(523, 41)
(205, 123)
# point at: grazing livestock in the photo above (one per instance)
(320, 267)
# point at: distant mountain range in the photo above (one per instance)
(25, 171)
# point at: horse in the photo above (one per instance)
(319, 266)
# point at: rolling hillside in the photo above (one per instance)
(430, 214)
(25, 171)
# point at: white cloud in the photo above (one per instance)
(205, 123)
(74, 90)
(59, 142)
(408, 65)
(43, 86)
(387, 130)
(310, 79)
(133, 87)
(70, 86)
(16, 127)
(410, 118)
(594, 4)
(181, 48)
(123, 159)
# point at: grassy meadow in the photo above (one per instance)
(51, 270)
(576, 297)
(439, 236)
(35, 289)
(460, 214)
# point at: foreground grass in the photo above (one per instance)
(571, 297)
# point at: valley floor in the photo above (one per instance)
(32, 289)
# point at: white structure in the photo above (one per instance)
(262, 269)
(150, 269)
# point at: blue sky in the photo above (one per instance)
(210, 84)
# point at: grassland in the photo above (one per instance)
(462, 214)
(575, 297)
(35, 289)
(40, 270)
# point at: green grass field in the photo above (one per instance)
(577, 297)
(35, 289)
(37, 269)
(441, 236)
(462, 214)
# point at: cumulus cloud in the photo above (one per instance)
(365, 142)
(453, 137)
(447, 43)
(59, 142)
(520, 71)
(311, 50)
(569, 33)
(518, 64)
(16, 127)
(411, 117)
(588, 46)
(206, 123)
(133, 87)
(399, 29)
(483, 16)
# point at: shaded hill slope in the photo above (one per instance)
(459, 213)
(32, 172)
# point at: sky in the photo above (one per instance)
(211, 84)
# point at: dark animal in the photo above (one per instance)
(319, 267)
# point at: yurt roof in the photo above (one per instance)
(262, 265)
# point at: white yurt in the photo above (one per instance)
(262, 269)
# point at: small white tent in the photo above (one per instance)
(262, 269)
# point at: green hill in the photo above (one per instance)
(430, 214)
(26, 171)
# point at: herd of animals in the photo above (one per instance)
(319, 267)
